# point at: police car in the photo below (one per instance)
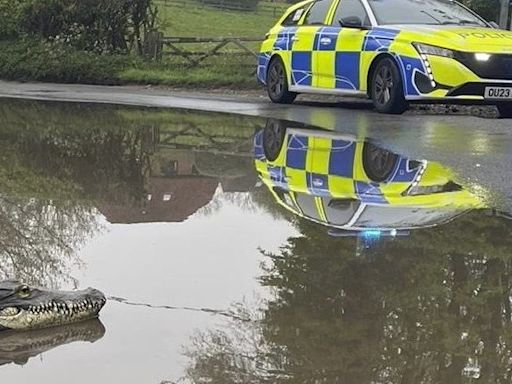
(354, 185)
(393, 51)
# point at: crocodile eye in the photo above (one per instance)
(24, 291)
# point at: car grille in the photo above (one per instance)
(498, 67)
(474, 89)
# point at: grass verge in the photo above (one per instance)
(28, 60)
(204, 21)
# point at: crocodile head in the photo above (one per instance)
(23, 307)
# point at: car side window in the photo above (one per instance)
(318, 12)
(293, 18)
(348, 12)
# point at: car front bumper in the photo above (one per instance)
(459, 79)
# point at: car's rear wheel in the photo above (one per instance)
(505, 109)
(277, 83)
(378, 163)
(273, 139)
(387, 91)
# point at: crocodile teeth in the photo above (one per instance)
(9, 311)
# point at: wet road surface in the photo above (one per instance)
(248, 249)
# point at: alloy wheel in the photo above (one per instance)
(276, 80)
(383, 85)
(273, 138)
(378, 163)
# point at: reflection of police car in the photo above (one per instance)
(393, 51)
(344, 183)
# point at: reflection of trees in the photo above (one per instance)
(238, 354)
(106, 151)
(39, 239)
(54, 165)
(432, 308)
(101, 164)
(57, 161)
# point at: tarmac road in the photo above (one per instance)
(478, 149)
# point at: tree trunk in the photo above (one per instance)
(504, 13)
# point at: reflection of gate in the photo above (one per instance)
(194, 138)
(172, 153)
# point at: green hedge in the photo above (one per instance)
(92, 25)
(34, 60)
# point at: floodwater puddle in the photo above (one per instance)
(236, 249)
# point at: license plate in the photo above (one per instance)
(498, 93)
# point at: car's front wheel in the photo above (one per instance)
(387, 90)
(505, 109)
(277, 83)
(378, 163)
(274, 135)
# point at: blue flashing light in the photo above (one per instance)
(372, 234)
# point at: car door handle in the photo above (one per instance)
(295, 38)
(325, 41)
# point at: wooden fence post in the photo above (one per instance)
(153, 45)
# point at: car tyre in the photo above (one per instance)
(273, 139)
(387, 91)
(277, 83)
(505, 109)
(378, 163)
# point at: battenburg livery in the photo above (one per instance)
(393, 51)
(354, 185)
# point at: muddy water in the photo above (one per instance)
(247, 250)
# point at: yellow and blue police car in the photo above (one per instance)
(354, 185)
(393, 51)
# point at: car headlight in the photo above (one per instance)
(426, 49)
(483, 57)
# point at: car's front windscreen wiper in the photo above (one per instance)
(429, 15)
(460, 22)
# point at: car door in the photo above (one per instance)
(330, 170)
(339, 68)
(303, 62)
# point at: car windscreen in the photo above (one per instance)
(437, 12)
(404, 217)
